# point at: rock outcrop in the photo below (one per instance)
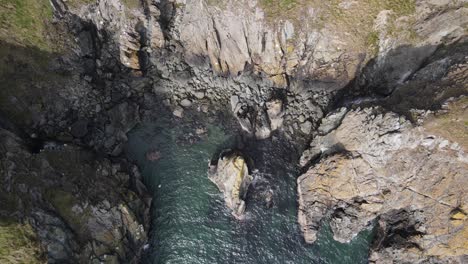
(377, 166)
(231, 175)
(84, 209)
(84, 73)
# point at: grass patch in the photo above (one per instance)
(279, 5)
(353, 21)
(19, 244)
(400, 7)
(24, 22)
(289, 9)
(131, 3)
(452, 125)
(357, 19)
(372, 42)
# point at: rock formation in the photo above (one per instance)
(377, 166)
(93, 212)
(231, 175)
(76, 76)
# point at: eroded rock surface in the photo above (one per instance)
(231, 175)
(376, 165)
(84, 73)
(85, 209)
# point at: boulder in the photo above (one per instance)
(178, 112)
(186, 103)
(231, 175)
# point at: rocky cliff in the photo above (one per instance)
(377, 167)
(84, 72)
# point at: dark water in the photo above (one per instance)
(192, 224)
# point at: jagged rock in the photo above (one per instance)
(77, 201)
(275, 113)
(231, 175)
(110, 56)
(331, 121)
(243, 113)
(262, 126)
(383, 165)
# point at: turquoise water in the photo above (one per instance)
(191, 223)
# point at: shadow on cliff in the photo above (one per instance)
(409, 78)
(26, 80)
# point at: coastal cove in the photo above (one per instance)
(233, 131)
(191, 223)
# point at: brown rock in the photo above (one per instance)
(385, 166)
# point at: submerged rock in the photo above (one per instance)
(231, 175)
(153, 155)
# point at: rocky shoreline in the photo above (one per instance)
(376, 165)
(356, 88)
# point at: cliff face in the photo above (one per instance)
(83, 208)
(378, 166)
(204, 52)
(84, 73)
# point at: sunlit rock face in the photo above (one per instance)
(231, 175)
(378, 166)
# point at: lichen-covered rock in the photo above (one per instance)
(231, 175)
(381, 167)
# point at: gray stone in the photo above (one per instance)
(231, 175)
(234, 102)
(199, 95)
(178, 112)
(306, 127)
(185, 103)
(332, 120)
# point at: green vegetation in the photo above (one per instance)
(400, 7)
(373, 42)
(279, 5)
(452, 125)
(18, 244)
(354, 21)
(24, 22)
(131, 3)
(333, 7)
(28, 42)
(275, 9)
